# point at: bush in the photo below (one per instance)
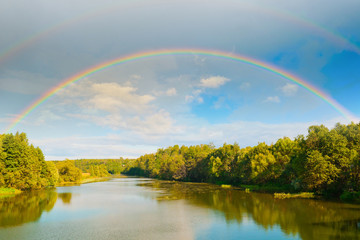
(350, 197)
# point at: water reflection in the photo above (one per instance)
(310, 219)
(25, 207)
(65, 197)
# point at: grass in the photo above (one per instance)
(94, 179)
(294, 195)
(9, 191)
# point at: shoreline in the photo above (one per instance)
(7, 192)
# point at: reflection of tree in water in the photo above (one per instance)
(311, 219)
(25, 207)
(65, 197)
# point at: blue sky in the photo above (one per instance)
(137, 107)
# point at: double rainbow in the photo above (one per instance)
(282, 15)
(202, 52)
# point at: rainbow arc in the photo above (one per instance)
(200, 52)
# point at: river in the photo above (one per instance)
(140, 208)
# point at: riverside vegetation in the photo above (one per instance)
(23, 167)
(325, 161)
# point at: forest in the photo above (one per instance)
(23, 166)
(325, 161)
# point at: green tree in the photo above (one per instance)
(68, 172)
(52, 173)
(23, 165)
(320, 172)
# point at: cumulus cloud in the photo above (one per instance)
(213, 82)
(169, 92)
(152, 125)
(120, 107)
(110, 97)
(273, 99)
(155, 124)
(289, 89)
(194, 97)
(113, 97)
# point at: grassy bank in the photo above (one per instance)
(9, 191)
(280, 192)
(95, 179)
(294, 195)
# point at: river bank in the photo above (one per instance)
(8, 192)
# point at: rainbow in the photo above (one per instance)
(328, 34)
(165, 52)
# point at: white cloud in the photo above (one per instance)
(213, 82)
(73, 147)
(171, 92)
(127, 144)
(289, 89)
(194, 97)
(113, 97)
(47, 115)
(189, 98)
(158, 123)
(246, 133)
(274, 99)
(110, 97)
(153, 124)
(122, 108)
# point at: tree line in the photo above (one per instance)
(325, 161)
(23, 166)
(101, 167)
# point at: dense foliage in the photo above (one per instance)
(68, 172)
(325, 161)
(22, 166)
(101, 167)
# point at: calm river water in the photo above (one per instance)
(140, 208)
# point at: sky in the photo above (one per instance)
(133, 108)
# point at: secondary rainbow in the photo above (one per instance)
(164, 52)
(28, 41)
